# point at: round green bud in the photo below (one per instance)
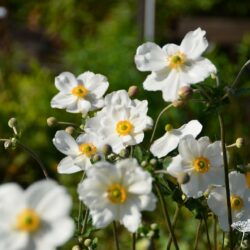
(87, 242)
(51, 121)
(107, 149)
(133, 91)
(144, 164)
(70, 130)
(240, 142)
(12, 122)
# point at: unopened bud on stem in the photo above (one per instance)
(239, 142)
(70, 130)
(51, 121)
(185, 92)
(12, 123)
(133, 91)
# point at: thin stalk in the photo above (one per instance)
(115, 236)
(176, 214)
(166, 216)
(67, 123)
(197, 235)
(35, 157)
(133, 241)
(215, 233)
(80, 207)
(226, 172)
(85, 221)
(223, 240)
(157, 121)
(207, 233)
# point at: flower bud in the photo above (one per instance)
(150, 234)
(154, 226)
(70, 130)
(183, 178)
(7, 144)
(51, 121)
(239, 142)
(76, 247)
(185, 92)
(96, 158)
(168, 127)
(107, 149)
(124, 153)
(133, 91)
(87, 242)
(153, 161)
(12, 122)
(144, 164)
(178, 103)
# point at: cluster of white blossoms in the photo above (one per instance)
(34, 219)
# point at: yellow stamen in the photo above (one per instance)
(79, 91)
(88, 149)
(124, 127)
(28, 220)
(237, 202)
(177, 60)
(117, 194)
(201, 164)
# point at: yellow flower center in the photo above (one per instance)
(88, 149)
(201, 164)
(79, 91)
(248, 179)
(28, 220)
(117, 194)
(168, 127)
(124, 127)
(177, 60)
(236, 202)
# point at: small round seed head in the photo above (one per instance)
(70, 130)
(51, 121)
(12, 122)
(239, 143)
(133, 91)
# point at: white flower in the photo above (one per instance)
(121, 122)
(170, 140)
(239, 199)
(202, 161)
(79, 151)
(174, 66)
(81, 94)
(35, 219)
(117, 193)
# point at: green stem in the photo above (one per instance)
(85, 221)
(115, 236)
(176, 214)
(207, 233)
(80, 207)
(166, 216)
(226, 172)
(35, 157)
(157, 121)
(197, 235)
(67, 123)
(223, 240)
(215, 233)
(133, 241)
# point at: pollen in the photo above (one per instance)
(28, 221)
(79, 91)
(124, 127)
(201, 165)
(117, 193)
(177, 60)
(236, 202)
(88, 149)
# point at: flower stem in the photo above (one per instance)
(197, 235)
(157, 121)
(115, 236)
(85, 221)
(226, 172)
(215, 233)
(166, 216)
(207, 233)
(133, 241)
(176, 214)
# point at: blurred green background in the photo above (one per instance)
(41, 39)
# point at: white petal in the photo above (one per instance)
(65, 82)
(237, 182)
(67, 166)
(188, 148)
(194, 43)
(150, 57)
(83, 106)
(118, 98)
(49, 199)
(191, 128)
(62, 100)
(175, 166)
(102, 218)
(214, 153)
(65, 143)
(162, 146)
(171, 49)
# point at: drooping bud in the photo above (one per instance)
(70, 130)
(51, 121)
(87, 242)
(168, 127)
(107, 149)
(185, 92)
(239, 142)
(133, 91)
(183, 178)
(12, 122)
